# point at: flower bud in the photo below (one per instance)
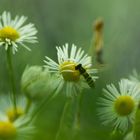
(36, 82)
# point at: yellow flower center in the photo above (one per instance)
(13, 115)
(68, 71)
(124, 105)
(7, 130)
(9, 33)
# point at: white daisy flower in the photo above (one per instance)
(8, 112)
(67, 77)
(135, 77)
(25, 128)
(20, 129)
(118, 107)
(13, 32)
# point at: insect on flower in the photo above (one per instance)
(84, 73)
(68, 79)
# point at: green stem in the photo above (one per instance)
(40, 107)
(78, 113)
(11, 77)
(38, 110)
(77, 122)
(136, 127)
(62, 118)
(28, 105)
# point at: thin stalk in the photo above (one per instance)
(38, 110)
(78, 113)
(62, 118)
(28, 105)
(77, 121)
(11, 77)
(40, 107)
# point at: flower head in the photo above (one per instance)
(15, 124)
(118, 107)
(25, 128)
(7, 130)
(13, 32)
(20, 129)
(8, 112)
(68, 78)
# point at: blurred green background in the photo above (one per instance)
(61, 21)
